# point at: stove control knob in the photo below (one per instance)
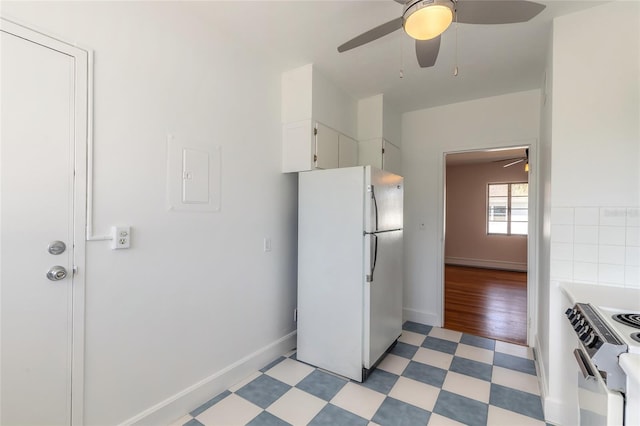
(570, 313)
(576, 319)
(592, 341)
(589, 339)
(584, 333)
(578, 324)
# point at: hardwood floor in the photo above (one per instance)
(486, 302)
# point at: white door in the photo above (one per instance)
(39, 133)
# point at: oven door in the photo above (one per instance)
(598, 404)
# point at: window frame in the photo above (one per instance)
(508, 212)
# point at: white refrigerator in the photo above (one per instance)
(349, 268)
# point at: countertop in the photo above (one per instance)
(605, 296)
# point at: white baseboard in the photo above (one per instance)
(542, 374)
(551, 407)
(422, 317)
(489, 264)
(192, 397)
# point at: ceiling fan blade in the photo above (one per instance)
(513, 163)
(372, 34)
(505, 159)
(496, 11)
(427, 51)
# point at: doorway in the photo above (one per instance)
(486, 243)
(42, 216)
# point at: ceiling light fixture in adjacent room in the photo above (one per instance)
(427, 19)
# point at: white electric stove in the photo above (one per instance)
(626, 325)
(608, 357)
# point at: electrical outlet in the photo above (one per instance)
(267, 244)
(120, 237)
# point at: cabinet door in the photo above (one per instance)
(348, 155)
(370, 153)
(391, 158)
(297, 146)
(327, 147)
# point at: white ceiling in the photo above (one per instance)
(492, 59)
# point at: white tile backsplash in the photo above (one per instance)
(587, 216)
(562, 234)
(633, 237)
(632, 276)
(585, 253)
(585, 235)
(611, 274)
(633, 217)
(562, 216)
(561, 251)
(613, 216)
(611, 236)
(613, 255)
(585, 272)
(561, 270)
(599, 245)
(632, 256)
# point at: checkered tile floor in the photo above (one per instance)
(433, 376)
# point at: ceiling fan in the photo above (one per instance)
(517, 160)
(425, 20)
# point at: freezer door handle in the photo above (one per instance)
(372, 188)
(373, 253)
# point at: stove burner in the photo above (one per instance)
(635, 336)
(632, 320)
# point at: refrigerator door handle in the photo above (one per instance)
(373, 252)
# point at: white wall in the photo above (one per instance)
(391, 125)
(195, 293)
(333, 107)
(501, 121)
(544, 213)
(593, 132)
(377, 119)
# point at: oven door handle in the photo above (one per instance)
(587, 372)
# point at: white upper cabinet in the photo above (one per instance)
(380, 153)
(327, 147)
(391, 160)
(348, 151)
(298, 146)
(319, 122)
(379, 135)
(316, 119)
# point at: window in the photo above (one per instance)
(507, 212)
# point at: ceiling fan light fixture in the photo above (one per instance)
(427, 19)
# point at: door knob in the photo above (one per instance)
(56, 273)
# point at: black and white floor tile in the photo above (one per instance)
(433, 376)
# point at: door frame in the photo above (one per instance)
(532, 237)
(80, 135)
